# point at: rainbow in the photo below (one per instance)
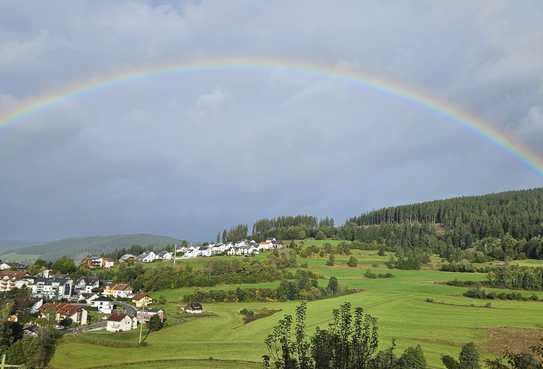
(407, 93)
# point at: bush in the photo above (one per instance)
(353, 262)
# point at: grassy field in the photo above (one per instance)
(399, 303)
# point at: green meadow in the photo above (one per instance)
(221, 340)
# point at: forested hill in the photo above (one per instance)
(518, 213)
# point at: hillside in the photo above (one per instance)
(79, 247)
(15, 244)
(519, 213)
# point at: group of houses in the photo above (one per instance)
(68, 301)
(242, 248)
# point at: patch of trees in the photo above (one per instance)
(213, 272)
(409, 259)
(252, 315)
(33, 352)
(516, 277)
(479, 293)
(294, 228)
(350, 342)
(304, 286)
(235, 234)
(371, 275)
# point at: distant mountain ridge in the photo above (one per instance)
(79, 247)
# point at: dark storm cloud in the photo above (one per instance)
(187, 155)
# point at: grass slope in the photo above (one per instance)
(79, 247)
(398, 303)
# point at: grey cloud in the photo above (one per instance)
(188, 154)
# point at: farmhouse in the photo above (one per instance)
(193, 308)
(77, 313)
(142, 300)
(118, 322)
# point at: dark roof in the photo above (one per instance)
(116, 317)
(194, 306)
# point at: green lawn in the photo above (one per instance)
(398, 303)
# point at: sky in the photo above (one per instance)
(188, 154)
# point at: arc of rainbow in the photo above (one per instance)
(381, 85)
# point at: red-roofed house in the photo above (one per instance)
(77, 313)
(142, 300)
(119, 322)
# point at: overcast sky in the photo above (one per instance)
(186, 155)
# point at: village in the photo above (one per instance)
(90, 303)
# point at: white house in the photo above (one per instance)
(87, 284)
(121, 323)
(165, 255)
(147, 257)
(127, 258)
(5, 266)
(103, 304)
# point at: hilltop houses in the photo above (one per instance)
(127, 258)
(242, 248)
(147, 257)
(164, 255)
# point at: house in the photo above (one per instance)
(87, 284)
(145, 315)
(10, 279)
(193, 308)
(165, 255)
(119, 290)
(77, 313)
(119, 322)
(142, 300)
(147, 257)
(127, 258)
(55, 288)
(103, 304)
(5, 266)
(97, 262)
(270, 244)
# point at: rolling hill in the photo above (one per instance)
(79, 247)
